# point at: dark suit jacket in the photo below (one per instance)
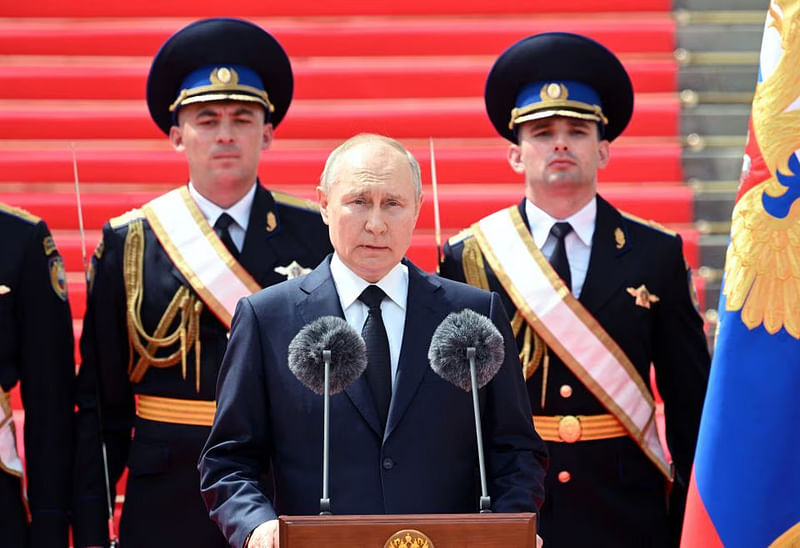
(616, 496)
(424, 463)
(36, 349)
(162, 500)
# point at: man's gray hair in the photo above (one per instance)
(332, 164)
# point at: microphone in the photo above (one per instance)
(467, 350)
(327, 356)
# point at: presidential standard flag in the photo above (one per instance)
(745, 489)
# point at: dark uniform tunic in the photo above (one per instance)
(36, 348)
(607, 492)
(162, 500)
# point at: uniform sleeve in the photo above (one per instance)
(682, 363)
(450, 266)
(104, 400)
(231, 461)
(46, 370)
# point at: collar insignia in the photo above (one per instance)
(643, 296)
(292, 270)
(619, 237)
(272, 222)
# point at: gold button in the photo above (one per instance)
(569, 429)
(566, 390)
(564, 476)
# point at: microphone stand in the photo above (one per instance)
(486, 500)
(325, 501)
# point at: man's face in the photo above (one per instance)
(222, 141)
(559, 155)
(371, 209)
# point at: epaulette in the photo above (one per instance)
(294, 201)
(126, 218)
(652, 224)
(461, 236)
(20, 213)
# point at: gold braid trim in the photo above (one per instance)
(472, 262)
(184, 301)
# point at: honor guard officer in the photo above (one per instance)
(166, 277)
(595, 296)
(36, 349)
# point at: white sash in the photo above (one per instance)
(568, 328)
(198, 253)
(9, 459)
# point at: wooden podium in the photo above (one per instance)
(410, 531)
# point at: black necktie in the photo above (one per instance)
(558, 260)
(221, 228)
(379, 367)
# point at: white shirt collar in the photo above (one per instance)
(582, 222)
(240, 211)
(349, 285)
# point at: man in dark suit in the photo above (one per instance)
(595, 295)
(36, 349)
(166, 278)
(416, 454)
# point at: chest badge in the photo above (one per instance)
(292, 270)
(4, 289)
(643, 296)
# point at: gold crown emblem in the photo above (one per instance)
(553, 91)
(409, 538)
(224, 76)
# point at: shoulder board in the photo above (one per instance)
(126, 218)
(461, 236)
(652, 224)
(294, 201)
(20, 213)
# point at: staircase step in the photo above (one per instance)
(721, 37)
(64, 77)
(457, 162)
(717, 119)
(257, 8)
(422, 252)
(460, 205)
(713, 5)
(713, 164)
(452, 34)
(654, 114)
(730, 78)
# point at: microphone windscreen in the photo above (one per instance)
(448, 351)
(348, 354)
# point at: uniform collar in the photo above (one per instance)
(240, 211)
(582, 221)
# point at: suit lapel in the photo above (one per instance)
(319, 298)
(423, 314)
(609, 245)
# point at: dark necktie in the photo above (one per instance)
(558, 260)
(379, 367)
(221, 228)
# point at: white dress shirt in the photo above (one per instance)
(393, 308)
(578, 242)
(239, 212)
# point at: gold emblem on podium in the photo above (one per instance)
(409, 538)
